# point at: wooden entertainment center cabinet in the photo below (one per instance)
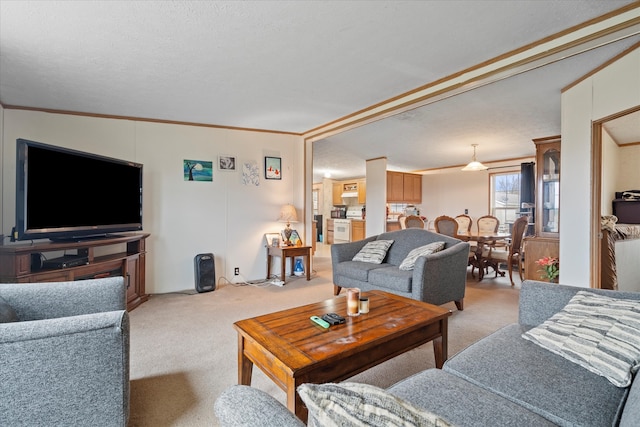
(20, 263)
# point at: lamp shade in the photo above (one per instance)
(475, 165)
(288, 214)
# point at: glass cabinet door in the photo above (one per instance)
(547, 218)
(550, 191)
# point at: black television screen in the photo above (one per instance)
(68, 194)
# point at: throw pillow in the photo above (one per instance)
(599, 333)
(410, 261)
(7, 313)
(353, 404)
(373, 252)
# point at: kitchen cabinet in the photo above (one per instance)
(412, 188)
(337, 194)
(395, 186)
(404, 187)
(357, 229)
(362, 192)
(328, 237)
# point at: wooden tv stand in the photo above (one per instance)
(16, 265)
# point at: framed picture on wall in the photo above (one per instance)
(226, 163)
(273, 167)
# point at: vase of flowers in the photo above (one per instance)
(550, 268)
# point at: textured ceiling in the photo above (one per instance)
(294, 66)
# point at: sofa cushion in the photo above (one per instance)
(357, 270)
(373, 252)
(462, 403)
(7, 313)
(597, 332)
(541, 381)
(410, 260)
(354, 404)
(391, 277)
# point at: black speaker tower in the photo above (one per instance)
(205, 272)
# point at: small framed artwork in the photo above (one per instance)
(273, 168)
(197, 170)
(226, 163)
(295, 238)
(273, 239)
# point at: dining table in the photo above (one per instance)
(484, 241)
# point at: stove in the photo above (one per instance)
(354, 213)
(341, 230)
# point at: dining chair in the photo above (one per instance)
(413, 221)
(446, 225)
(449, 227)
(402, 220)
(464, 224)
(512, 254)
(488, 224)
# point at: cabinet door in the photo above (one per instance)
(548, 187)
(131, 279)
(337, 194)
(362, 192)
(395, 186)
(357, 230)
(412, 188)
(534, 249)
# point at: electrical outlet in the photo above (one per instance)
(236, 271)
(466, 211)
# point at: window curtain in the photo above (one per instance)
(528, 186)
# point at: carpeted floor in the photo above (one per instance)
(184, 347)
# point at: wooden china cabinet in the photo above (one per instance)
(546, 242)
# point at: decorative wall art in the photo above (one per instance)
(251, 173)
(226, 163)
(273, 167)
(197, 170)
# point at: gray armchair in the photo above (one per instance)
(66, 360)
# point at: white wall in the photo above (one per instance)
(614, 88)
(224, 217)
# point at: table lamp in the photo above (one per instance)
(288, 214)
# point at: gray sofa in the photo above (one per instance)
(66, 360)
(501, 380)
(436, 278)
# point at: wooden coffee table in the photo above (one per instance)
(292, 350)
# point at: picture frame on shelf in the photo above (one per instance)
(273, 239)
(295, 238)
(226, 163)
(272, 167)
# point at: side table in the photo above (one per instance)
(285, 252)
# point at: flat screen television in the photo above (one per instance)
(65, 194)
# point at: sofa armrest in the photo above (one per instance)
(241, 405)
(541, 300)
(443, 275)
(35, 301)
(70, 368)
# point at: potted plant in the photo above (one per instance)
(550, 268)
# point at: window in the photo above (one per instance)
(505, 198)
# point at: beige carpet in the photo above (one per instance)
(184, 347)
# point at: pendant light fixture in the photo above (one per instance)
(475, 165)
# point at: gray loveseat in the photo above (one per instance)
(501, 380)
(66, 360)
(437, 278)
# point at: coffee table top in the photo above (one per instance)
(292, 338)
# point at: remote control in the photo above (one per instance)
(333, 318)
(319, 321)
